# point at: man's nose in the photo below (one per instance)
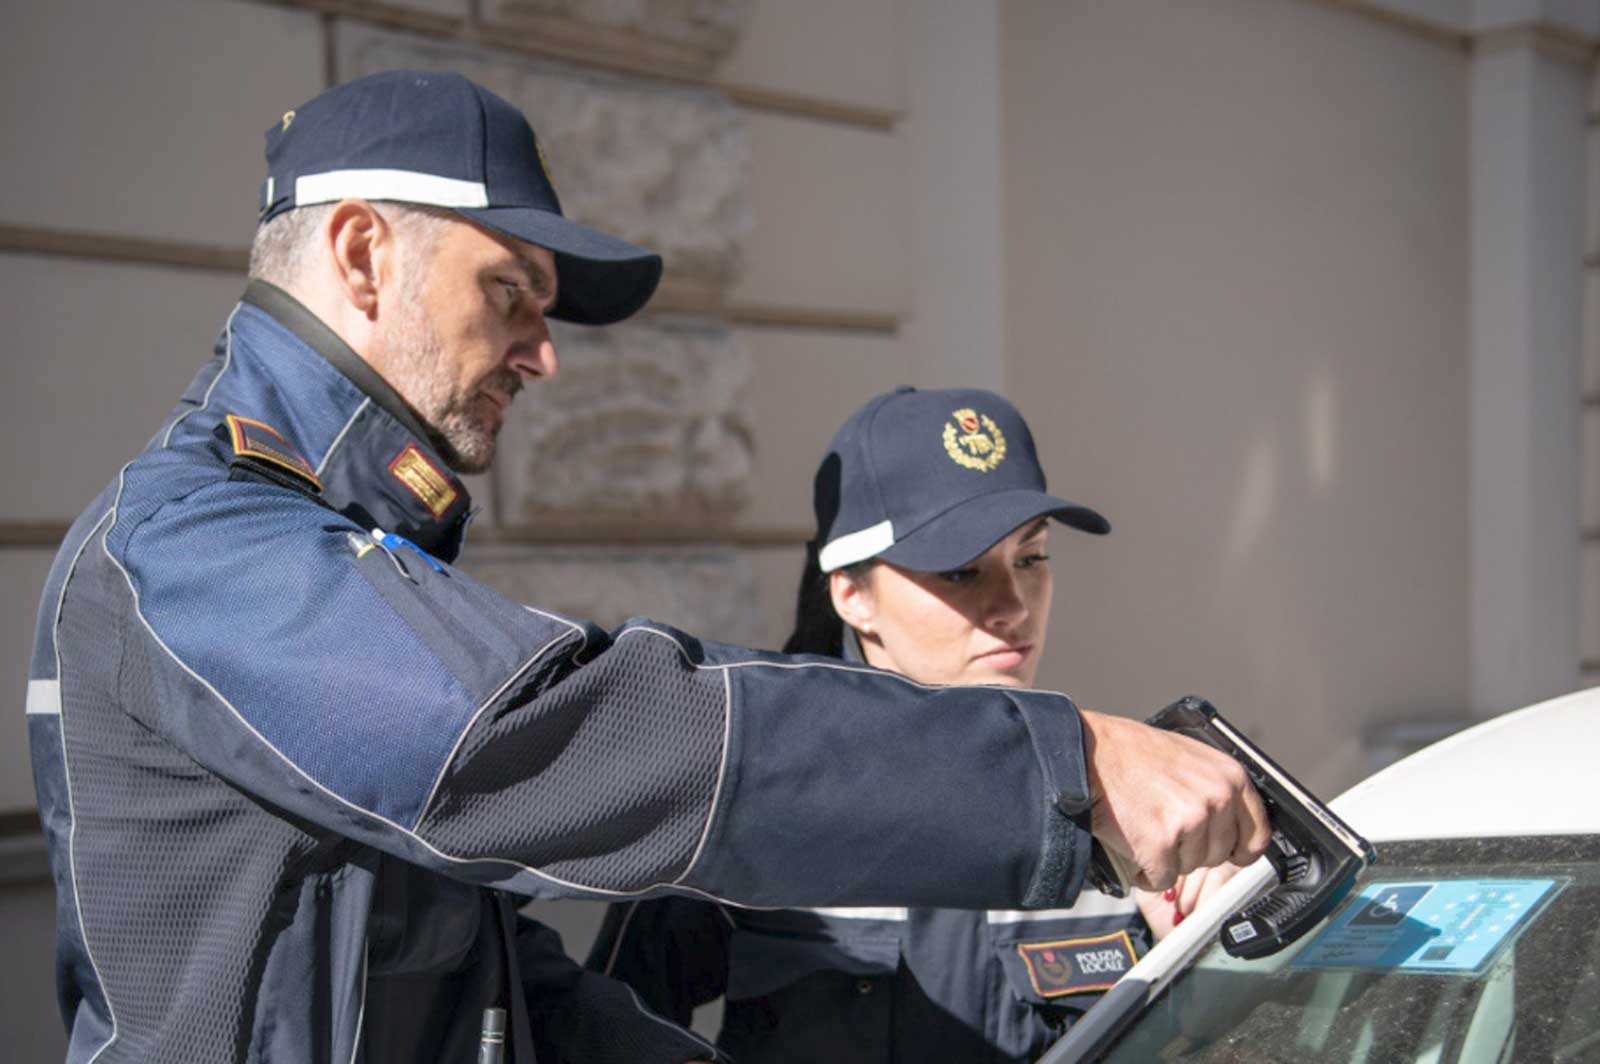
(536, 356)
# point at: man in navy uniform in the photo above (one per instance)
(290, 760)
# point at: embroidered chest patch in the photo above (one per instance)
(259, 442)
(431, 485)
(1077, 965)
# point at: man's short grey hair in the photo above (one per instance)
(279, 252)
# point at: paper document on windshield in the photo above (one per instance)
(1448, 926)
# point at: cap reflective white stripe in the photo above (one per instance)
(405, 186)
(857, 546)
(44, 698)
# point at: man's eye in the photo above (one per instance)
(959, 576)
(1028, 561)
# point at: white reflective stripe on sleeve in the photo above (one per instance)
(856, 547)
(44, 698)
(901, 915)
(1089, 903)
(407, 186)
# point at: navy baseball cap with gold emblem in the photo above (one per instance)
(441, 140)
(929, 480)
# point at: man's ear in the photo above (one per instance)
(853, 600)
(361, 244)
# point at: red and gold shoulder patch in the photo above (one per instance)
(432, 486)
(1077, 965)
(260, 441)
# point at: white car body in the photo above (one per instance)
(1529, 773)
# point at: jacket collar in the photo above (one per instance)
(370, 449)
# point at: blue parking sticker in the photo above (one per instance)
(1450, 926)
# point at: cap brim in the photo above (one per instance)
(965, 531)
(601, 278)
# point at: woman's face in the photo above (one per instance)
(983, 623)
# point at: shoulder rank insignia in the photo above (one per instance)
(432, 486)
(261, 445)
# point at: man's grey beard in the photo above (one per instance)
(454, 419)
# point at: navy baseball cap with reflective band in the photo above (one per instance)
(440, 140)
(929, 480)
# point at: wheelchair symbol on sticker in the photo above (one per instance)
(1390, 906)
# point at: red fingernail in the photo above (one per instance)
(1171, 894)
(1177, 917)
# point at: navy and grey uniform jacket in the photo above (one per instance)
(880, 985)
(279, 757)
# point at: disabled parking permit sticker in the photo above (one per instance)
(1450, 926)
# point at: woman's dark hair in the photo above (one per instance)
(818, 628)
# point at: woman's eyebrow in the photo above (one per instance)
(1039, 527)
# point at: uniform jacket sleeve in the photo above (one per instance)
(672, 951)
(398, 702)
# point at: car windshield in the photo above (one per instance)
(1480, 950)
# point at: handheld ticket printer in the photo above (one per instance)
(1316, 855)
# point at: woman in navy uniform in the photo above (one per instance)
(931, 560)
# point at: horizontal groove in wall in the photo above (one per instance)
(678, 294)
(624, 530)
(614, 51)
(1554, 39)
(141, 251)
(868, 321)
(1592, 399)
(1437, 32)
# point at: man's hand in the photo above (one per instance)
(1165, 804)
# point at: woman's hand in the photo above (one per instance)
(1165, 910)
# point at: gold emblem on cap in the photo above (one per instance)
(288, 116)
(973, 440)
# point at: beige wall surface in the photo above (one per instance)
(160, 139)
(90, 392)
(1235, 242)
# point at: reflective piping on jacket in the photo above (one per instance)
(622, 933)
(44, 697)
(66, 768)
(861, 913)
(337, 440)
(361, 1013)
(1088, 903)
(205, 400)
(644, 1010)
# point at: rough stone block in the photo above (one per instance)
(709, 27)
(704, 590)
(645, 418)
(665, 166)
